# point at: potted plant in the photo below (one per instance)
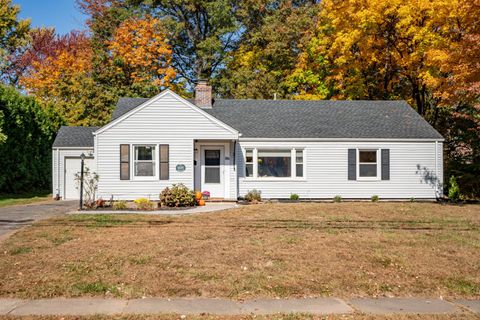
(206, 195)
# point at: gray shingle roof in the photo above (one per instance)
(75, 137)
(126, 104)
(314, 119)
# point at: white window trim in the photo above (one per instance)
(157, 162)
(377, 178)
(293, 164)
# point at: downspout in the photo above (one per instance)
(234, 155)
(58, 173)
(436, 170)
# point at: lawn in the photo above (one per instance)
(266, 250)
(25, 198)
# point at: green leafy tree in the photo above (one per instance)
(3, 137)
(26, 151)
(13, 35)
(202, 32)
(268, 54)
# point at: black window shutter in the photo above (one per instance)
(124, 162)
(352, 164)
(164, 162)
(385, 164)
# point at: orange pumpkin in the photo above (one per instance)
(201, 202)
(198, 195)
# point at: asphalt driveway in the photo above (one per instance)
(15, 217)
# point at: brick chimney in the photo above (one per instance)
(203, 94)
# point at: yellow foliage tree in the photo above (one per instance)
(380, 49)
(141, 52)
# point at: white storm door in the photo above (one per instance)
(212, 173)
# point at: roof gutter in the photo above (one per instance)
(73, 148)
(346, 139)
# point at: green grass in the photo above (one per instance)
(20, 250)
(463, 286)
(24, 198)
(94, 288)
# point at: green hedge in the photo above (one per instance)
(26, 150)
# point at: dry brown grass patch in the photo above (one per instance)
(268, 250)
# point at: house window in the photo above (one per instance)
(299, 163)
(144, 161)
(274, 163)
(249, 163)
(367, 164)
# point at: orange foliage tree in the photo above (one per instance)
(60, 78)
(141, 52)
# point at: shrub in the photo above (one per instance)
(177, 196)
(294, 196)
(337, 199)
(120, 205)
(27, 131)
(90, 186)
(454, 190)
(375, 198)
(143, 204)
(254, 196)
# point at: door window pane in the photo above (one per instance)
(212, 175)
(274, 163)
(212, 157)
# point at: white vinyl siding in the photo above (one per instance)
(166, 120)
(326, 168)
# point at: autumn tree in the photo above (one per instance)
(59, 76)
(456, 84)
(142, 55)
(104, 17)
(13, 35)
(376, 49)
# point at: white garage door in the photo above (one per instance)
(72, 166)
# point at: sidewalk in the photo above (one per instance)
(319, 306)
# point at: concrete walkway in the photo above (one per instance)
(18, 216)
(209, 207)
(320, 306)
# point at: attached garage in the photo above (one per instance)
(69, 144)
(72, 167)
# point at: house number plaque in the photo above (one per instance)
(180, 167)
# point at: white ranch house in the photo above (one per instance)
(316, 149)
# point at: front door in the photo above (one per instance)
(212, 175)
